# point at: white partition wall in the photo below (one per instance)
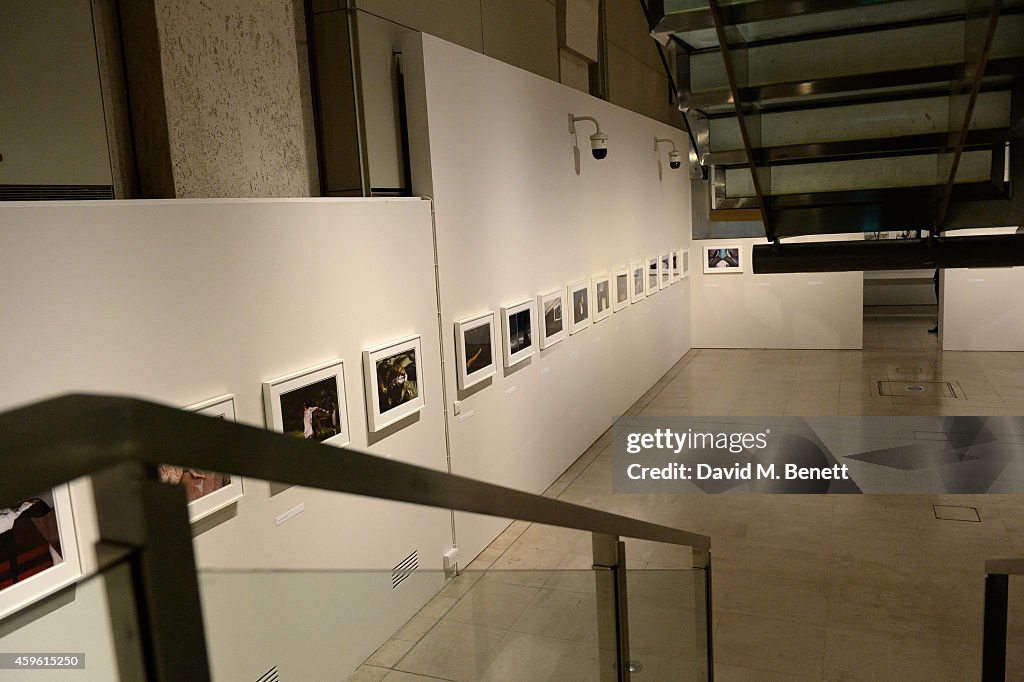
(180, 301)
(801, 310)
(982, 308)
(491, 145)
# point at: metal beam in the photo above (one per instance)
(995, 251)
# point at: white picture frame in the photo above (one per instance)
(56, 544)
(684, 263)
(579, 297)
(665, 271)
(474, 348)
(207, 491)
(310, 404)
(601, 297)
(621, 285)
(676, 271)
(393, 381)
(551, 317)
(637, 281)
(653, 275)
(519, 338)
(719, 260)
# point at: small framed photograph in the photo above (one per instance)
(720, 259)
(602, 297)
(684, 263)
(653, 275)
(675, 266)
(665, 268)
(393, 381)
(578, 294)
(40, 550)
(552, 317)
(517, 324)
(638, 282)
(206, 491)
(620, 288)
(310, 404)
(474, 344)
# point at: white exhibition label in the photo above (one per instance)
(468, 415)
(545, 370)
(975, 279)
(815, 283)
(290, 513)
(763, 284)
(710, 286)
(573, 354)
(510, 391)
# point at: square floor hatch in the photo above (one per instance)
(920, 389)
(945, 512)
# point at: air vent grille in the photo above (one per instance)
(404, 569)
(270, 676)
(55, 192)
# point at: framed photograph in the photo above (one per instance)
(620, 288)
(719, 259)
(474, 345)
(675, 266)
(684, 263)
(553, 326)
(206, 491)
(517, 324)
(638, 281)
(665, 268)
(578, 294)
(653, 275)
(602, 297)
(38, 549)
(393, 381)
(310, 404)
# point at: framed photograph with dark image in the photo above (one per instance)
(638, 289)
(393, 381)
(620, 287)
(309, 404)
(578, 294)
(206, 491)
(675, 265)
(665, 268)
(553, 326)
(474, 345)
(517, 322)
(38, 549)
(721, 259)
(602, 297)
(653, 275)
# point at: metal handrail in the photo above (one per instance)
(61, 439)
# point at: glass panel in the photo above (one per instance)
(89, 627)
(481, 625)
(668, 613)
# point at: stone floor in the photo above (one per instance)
(843, 587)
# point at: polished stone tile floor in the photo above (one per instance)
(843, 587)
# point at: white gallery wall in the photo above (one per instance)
(181, 301)
(822, 310)
(491, 145)
(982, 308)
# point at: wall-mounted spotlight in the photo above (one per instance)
(598, 141)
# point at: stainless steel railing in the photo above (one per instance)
(120, 442)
